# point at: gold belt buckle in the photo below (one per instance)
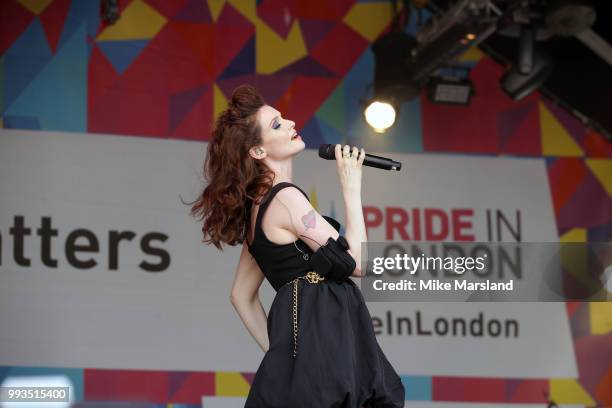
(314, 277)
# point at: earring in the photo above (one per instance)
(259, 150)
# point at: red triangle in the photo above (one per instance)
(564, 177)
(526, 138)
(571, 308)
(200, 38)
(304, 97)
(101, 78)
(339, 49)
(595, 145)
(185, 66)
(322, 9)
(52, 20)
(278, 15)
(167, 8)
(228, 42)
(14, 19)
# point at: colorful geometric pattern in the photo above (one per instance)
(167, 68)
(190, 388)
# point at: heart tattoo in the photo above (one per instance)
(309, 220)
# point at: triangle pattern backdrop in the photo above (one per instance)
(167, 68)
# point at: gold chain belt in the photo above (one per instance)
(311, 277)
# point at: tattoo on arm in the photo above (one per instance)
(309, 220)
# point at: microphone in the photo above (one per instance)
(326, 151)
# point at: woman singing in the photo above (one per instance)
(319, 342)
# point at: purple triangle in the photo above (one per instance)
(511, 120)
(243, 63)
(600, 233)
(510, 387)
(272, 87)
(589, 206)
(195, 11)
(307, 66)
(176, 381)
(249, 377)
(181, 103)
(580, 321)
(314, 30)
(569, 122)
(594, 360)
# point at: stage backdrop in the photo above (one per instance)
(102, 275)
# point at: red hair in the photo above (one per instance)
(235, 179)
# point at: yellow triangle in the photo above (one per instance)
(248, 8)
(215, 7)
(602, 170)
(574, 235)
(471, 54)
(231, 384)
(601, 317)
(138, 21)
(569, 391)
(219, 101)
(273, 52)
(35, 6)
(369, 19)
(555, 139)
(313, 198)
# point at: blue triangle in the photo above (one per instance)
(81, 12)
(330, 134)
(122, 53)
(311, 134)
(243, 63)
(21, 122)
(57, 96)
(25, 58)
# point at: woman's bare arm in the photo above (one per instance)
(298, 216)
(245, 298)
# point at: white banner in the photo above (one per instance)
(101, 265)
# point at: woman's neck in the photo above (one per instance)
(283, 171)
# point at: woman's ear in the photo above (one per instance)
(257, 152)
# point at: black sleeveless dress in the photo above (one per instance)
(330, 357)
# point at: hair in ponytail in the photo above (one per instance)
(234, 179)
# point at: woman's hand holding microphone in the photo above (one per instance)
(349, 164)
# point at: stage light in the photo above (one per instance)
(450, 90)
(392, 53)
(380, 115)
(517, 85)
